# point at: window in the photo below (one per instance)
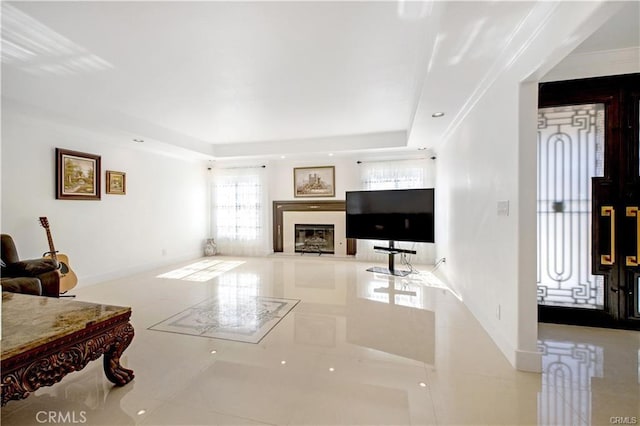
(239, 211)
(238, 208)
(393, 175)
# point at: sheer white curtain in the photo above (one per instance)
(393, 175)
(239, 211)
(400, 174)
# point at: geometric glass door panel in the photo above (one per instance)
(571, 151)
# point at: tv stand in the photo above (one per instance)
(391, 251)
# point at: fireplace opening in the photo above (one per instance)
(314, 239)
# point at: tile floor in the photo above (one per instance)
(348, 353)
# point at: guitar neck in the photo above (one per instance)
(52, 249)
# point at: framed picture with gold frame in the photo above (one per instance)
(116, 182)
(77, 175)
(314, 181)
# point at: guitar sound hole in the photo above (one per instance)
(63, 268)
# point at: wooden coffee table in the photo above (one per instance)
(44, 339)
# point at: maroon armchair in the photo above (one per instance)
(32, 276)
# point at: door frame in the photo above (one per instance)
(616, 93)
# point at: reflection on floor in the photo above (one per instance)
(359, 348)
(593, 378)
(565, 364)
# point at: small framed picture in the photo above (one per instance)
(314, 181)
(116, 182)
(77, 175)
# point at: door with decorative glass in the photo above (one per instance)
(589, 201)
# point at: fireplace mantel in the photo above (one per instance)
(279, 207)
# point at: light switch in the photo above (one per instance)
(503, 208)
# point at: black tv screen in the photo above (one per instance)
(393, 215)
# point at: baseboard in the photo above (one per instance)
(529, 361)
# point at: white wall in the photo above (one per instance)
(480, 246)
(161, 219)
(596, 64)
(490, 158)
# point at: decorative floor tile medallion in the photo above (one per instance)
(244, 319)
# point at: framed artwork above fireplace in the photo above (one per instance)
(314, 181)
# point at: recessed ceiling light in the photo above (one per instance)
(214, 351)
(332, 369)
(141, 412)
(423, 385)
(437, 114)
(138, 140)
(283, 362)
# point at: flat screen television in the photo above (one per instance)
(392, 215)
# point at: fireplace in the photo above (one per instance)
(288, 213)
(314, 238)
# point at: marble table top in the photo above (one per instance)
(30, 321)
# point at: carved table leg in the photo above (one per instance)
(115, 372)
(13, 388)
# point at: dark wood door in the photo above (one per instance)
(590, 125)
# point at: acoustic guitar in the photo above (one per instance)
(68, 278)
